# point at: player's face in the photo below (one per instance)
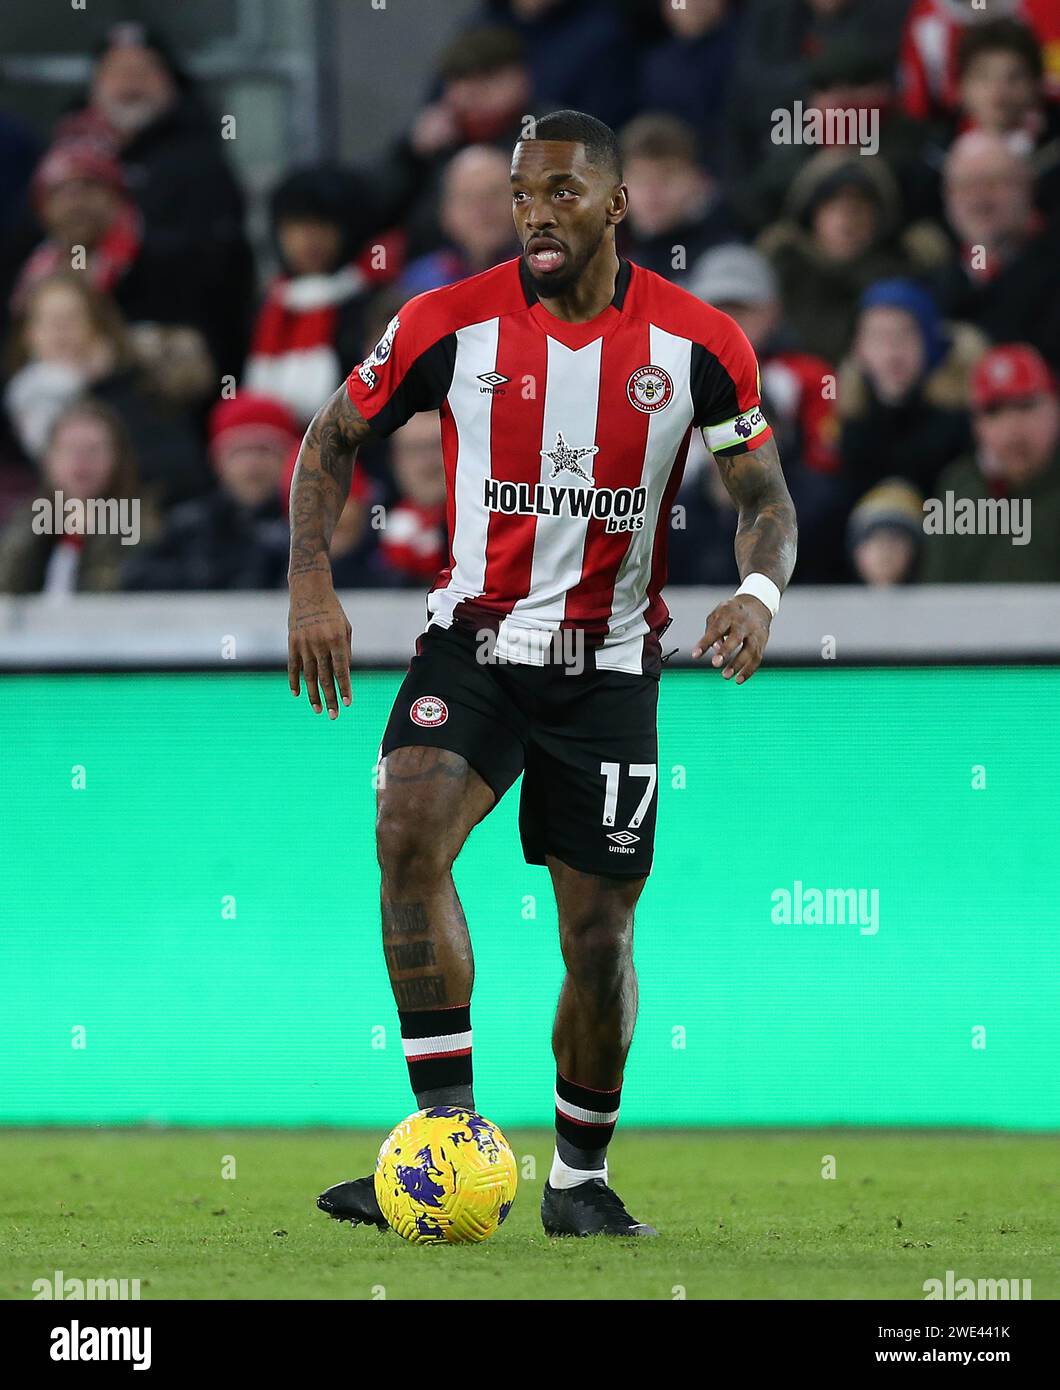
(562, 208)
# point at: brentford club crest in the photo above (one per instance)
(429, 711)
(649, 389)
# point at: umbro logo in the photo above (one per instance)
(491, 381)
(624, 837)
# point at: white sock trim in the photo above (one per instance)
(563, 1176)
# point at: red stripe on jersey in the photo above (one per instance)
(621, 437)
(515, 442)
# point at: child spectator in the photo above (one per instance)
(1016, 420)
(86, 458)
(236, 537)
(885, 534)
(903, 392)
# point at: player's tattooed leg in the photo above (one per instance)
(429, 801)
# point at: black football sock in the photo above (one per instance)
(585, 1122)
(437, 1045)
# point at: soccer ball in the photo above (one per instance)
(445, 1175)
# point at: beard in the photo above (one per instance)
(558, 282)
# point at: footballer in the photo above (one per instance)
(568, 382)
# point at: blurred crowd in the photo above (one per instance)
(893, 256)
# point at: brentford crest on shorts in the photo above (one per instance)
(650, 388)
(428, 711)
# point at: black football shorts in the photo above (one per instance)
(586, 744)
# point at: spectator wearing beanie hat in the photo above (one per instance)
(885, 533)
(903, 391)
(311, 325)
(79, 194)
(1016, 423)
(353, 551)
(236, 537)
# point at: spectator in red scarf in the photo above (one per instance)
(311, 326)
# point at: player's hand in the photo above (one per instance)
(737, 633)
(318, 643)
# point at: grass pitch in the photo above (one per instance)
(743, 1215)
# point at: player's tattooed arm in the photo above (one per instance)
(766, 538)
(322, 480)
(318, 632)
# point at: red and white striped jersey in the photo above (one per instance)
(564, 445)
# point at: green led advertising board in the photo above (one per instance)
(190, 908)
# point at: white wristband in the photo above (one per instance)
(763, 588)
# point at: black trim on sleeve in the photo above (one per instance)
(714, 395)
(424, 387)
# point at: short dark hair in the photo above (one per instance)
(600, 141)
(1000, 36)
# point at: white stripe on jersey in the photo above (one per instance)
(573, 381)
(476, 353)
(626, 627)
(587, 1117)
(444, 1042)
